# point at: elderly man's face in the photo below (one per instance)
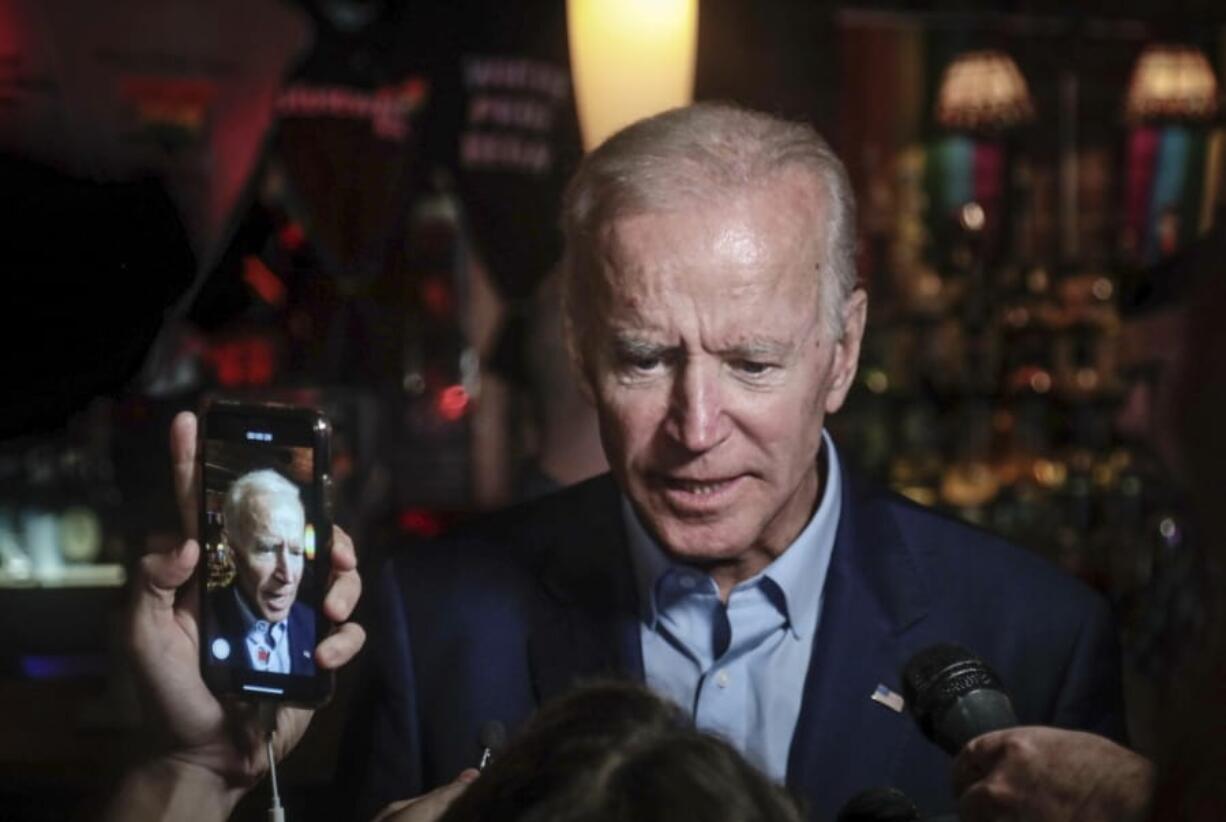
(712, 369)
(269, 555)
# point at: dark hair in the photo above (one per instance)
(615, 752)
(1192, 745)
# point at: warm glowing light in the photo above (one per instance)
(308, 542)
(1049, 473)
(972, 217)
(630, 59)
(1040, 382)
(1172, 81)
(983, 89)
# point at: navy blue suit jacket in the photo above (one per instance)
(488, 623)
(225, 621)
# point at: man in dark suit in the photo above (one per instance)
(257, 622)
(254, 643)
(729, 560)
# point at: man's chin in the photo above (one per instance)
(697, 543)
(277, 614)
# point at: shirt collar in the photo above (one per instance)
(799, 573)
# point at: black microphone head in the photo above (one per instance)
(879, 805)
(954, 695)
(493, 736)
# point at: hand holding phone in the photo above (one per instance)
(208, 764)
(266, 531)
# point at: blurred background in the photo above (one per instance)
(353, 204)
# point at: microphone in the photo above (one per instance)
(955, 696)
(493, 738)
(886, 805)
(879, 805)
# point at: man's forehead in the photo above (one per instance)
(755, 250)
(276, 507)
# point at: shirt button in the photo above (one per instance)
(721, 679)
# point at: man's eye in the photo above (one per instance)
(641, 362)
(752, 368)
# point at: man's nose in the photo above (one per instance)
(283, 571)
(696, 414)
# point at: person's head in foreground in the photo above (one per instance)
(265, 526)
(712, 310)
(1156, 310)
(615, 752)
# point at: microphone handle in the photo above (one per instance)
(978, 712)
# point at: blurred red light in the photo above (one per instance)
(421, 522)
(263, 282)
(292, 237)
(452, 402)
(436, 296)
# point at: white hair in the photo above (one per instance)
(266, 483)
(705, 151)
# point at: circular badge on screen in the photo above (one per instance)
(221, 649)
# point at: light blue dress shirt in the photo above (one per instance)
(738, 668)
(267, 643)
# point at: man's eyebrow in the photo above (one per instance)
(760, 348)
(637, 346)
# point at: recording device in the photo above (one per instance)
(493, 739)
(955, 696)
(886, 805)
(266, 538)
(879, 805)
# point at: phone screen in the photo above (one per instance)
(266, 537)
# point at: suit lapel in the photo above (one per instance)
(301, 640)
(587, 625)
(874, 591)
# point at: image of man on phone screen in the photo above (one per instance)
(258, 622)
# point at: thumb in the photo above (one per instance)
(160, 573)
(430, 806)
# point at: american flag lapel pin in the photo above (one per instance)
(888, 698)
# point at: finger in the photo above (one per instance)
(345, 586)
(344, 555)
(341, 646)
(977, 759)
(395, 807)
(428, 807)
(186, 469)
(159, 574)
(342, 596)
(291, 725)
(965, 771)
(976, 804)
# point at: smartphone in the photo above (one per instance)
(266, 537)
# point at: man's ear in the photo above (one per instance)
(847, 349)
(579, 368)
(573, 333)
